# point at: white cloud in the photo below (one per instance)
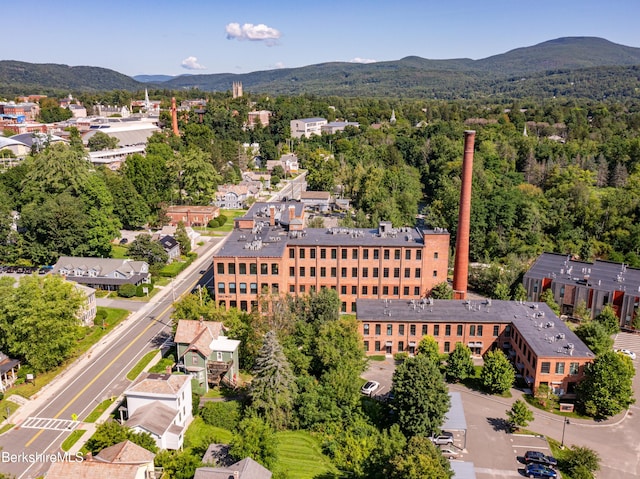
(254, 33)
(362, 60)
(279, 65)
(191, 63)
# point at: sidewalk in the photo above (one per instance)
(205, 252)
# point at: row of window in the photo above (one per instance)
(474, 329)
(344, 253)
(545, 367)
(388, 348)
(363, 273)
(253, 288)
(253, 268)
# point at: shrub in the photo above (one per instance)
(214, 223)
(127, 291)
(400, 356)
(221, 414)
(140, 289)
(101, 315)
(222, 219)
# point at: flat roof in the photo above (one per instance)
(546, 334)
(463, 469)
(454, 419)
(599, 275)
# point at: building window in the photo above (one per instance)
(407, 272)
(292, 271)
(396, 254)
(377, 330)
(365, 328)
(418, 272)
(496, 331)
(574, 368)
(472, 330)
(365, 291)
(334, 253)
(376, 254)
(253, 268)
(354, 272)
(220, 268)
(412, 330)
(243, 268)
(312, 253)
(447, 330)
(292, 253)
(354, 290)
(275, 289)
(354, 254)
(389, 329)
(401, 329)
(545, 367)
(479, 332)
(343, 290)
(435, 273)
(377, 345)
(243, 288)
(395, 290)
(323, 253)
(425, 329)
(302, 254)
(405, 290)
(303, 288)
(274, 268)
(436, 330)
(375, 272)
(254, 288)
(264, 268)
(560, 368)
(407, 254)
(243, 307)
(419, 254)
(343, 307)
(447, 346)
(232, 288)
(344, 253)
(323, 272)
(232, 268)
(435, 255)
(400, 346)
(416, 290)
(343, 272)
(221, 288)
(459, 330)
(312, 271)
(365, 254)
(385, 272)
(365, 272)
(386, 254)
(366, 345)
(374, 290)
(264, 288)
(334, 272)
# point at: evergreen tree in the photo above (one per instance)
(273, 387)
(182, 238)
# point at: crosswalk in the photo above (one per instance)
(51, 424)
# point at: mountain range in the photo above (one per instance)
(588, 67)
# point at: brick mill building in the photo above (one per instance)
(542, 348)
(270, 252)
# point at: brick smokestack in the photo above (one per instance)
(174, 117)
(461, 266)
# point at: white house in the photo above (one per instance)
(161, 405)
(307, 127)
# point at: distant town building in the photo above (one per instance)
(102, 273)
(254, 117)
(307, 127)
(192, 215)
(336, 126)
(237, 89)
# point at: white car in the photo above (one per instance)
(449, 453)
(369, 387)
(626, 352)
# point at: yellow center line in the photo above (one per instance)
(97, 376)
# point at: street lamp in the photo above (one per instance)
(564, 425)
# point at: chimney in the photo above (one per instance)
(272, 215)
(174, 117)
(461, 266)
(292, 212)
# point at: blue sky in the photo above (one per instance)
(174, 37)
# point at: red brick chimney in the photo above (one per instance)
(272, 215)
(174, 117)
(461, 266)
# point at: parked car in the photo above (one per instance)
(124, 241)
(538, 470)
(443, 439)
(626, 352)
(369, 387)
(537, 457)
(449, 453)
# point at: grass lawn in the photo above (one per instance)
(97, 412)
(143, 363)
(198, 431)
(4, 404)
(119, 252)
(300, 455)
(72, 439)
(6, 427)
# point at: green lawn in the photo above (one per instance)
(198, 431)
(138, 368)
(300, 456)
(119, 252)
(97, 412)
(72, 439)
(4, 404)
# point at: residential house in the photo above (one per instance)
(206, 353)
(8, 371)
(270, 252)
(542, 348)
(247, 468)
(319, 201)
(87, 312)
(261, 116)
(124, 460)
(289, 164)
(306, 127)
(192, 215)
(168, 230)
(161, 405)
(262, 180)
(171, 246)
(336, 126)
(102, 273)
(234, 197)
(592, 285)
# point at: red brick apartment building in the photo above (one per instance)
(541, 347)
(192, 215)
(269, 251)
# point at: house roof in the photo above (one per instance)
(315, 195)
(102, 266)
(155, 383)
(193, 209)
(168, 242)
(245, 469)
(198, 334)
(92, 470)
(125, 452)
(155, 417)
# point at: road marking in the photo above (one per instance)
(50, 424)
(111, 363)
(500, 472)
(529, 447)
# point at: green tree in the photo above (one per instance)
(38, 320)
(595, 336)
(441, 291)
(609, 320)
(177, 464)
(317, 222)
(502, 291)
(580, 462)
(547, 297)
(255, 439)
(519, 415)
(128, 205)
(606, 388)
(101, 141)
(390, 444)
(421, 398)
(112, 432)
(520, 293)
(497, 374)
(273, 386)
(51, 112)
(182, 238)
(460, 365)
(429, 347)
(420, 459)
(143, 248)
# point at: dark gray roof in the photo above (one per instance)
(600, 275)
(546, 334)
(168, 242)
(246, 469)
(454, 419)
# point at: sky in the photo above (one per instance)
(175, 37)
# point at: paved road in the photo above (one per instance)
(100, 374)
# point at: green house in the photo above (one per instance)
(206, 354)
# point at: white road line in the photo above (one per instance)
(497, 472)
